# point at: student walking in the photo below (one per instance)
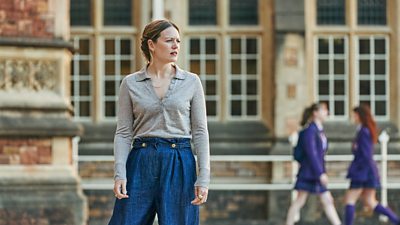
(312, 178)
(363, 171)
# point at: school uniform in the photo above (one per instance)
(314, 143)
(363, 171)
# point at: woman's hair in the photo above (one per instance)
(364, 113)
(308, 113)
(152, 32)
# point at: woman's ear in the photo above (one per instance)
(151, 45)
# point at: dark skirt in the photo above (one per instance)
(371, 182)
(311, 186)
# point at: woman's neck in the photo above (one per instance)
(318, 123)
(160, 70)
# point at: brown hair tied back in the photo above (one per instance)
(308, 113)
(152, 32)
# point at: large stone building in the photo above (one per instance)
(39, 183)
(261, 62)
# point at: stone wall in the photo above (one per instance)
(28, 18)
(223, 205)
(233, 207)
(101, 203)
(291, 85)
(29, 151)
(250, 207)
(39, 183)
(35, 205)
(257, 171)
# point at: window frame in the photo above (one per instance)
(116, 58)
(372, 98)
(204, 77)
(76, 78)
(346, 57)
(351, 29)
(98, 32)
(223, 30)
(242, 77)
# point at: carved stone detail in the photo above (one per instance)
(32, 75)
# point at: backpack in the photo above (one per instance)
(298, 151)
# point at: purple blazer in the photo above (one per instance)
(313, 165)
(363, 165)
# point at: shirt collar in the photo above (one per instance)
(319, 125)
(142, 75)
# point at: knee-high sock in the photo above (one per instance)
(387, 212)
(349, 214)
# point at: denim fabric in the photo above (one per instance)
(161, 174)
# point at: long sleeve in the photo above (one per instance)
(123, 133)
(198, 117)
(310, 148)
(365, 147)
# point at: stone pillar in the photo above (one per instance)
(39, 183)
(291, 85)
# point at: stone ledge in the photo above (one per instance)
(248, 131)
(37, 175)
(36, 43)
(30, 126)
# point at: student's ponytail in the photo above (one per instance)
(308, 113)
(306, 116)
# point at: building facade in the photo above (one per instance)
(261, 62)
(39, 183)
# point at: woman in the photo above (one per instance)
(312, 178)
(161, 110)
(363, 171)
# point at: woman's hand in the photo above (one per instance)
(120, 189)
(201, 194)
(324, 179)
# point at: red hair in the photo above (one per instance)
(364, 113)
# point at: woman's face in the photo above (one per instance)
(322, 113)
(356, 118)
(166, 49)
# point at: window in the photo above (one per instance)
(243, 76)
(117, 63)
(243, 12)
(80, 11)
(227, 60)
(81, 78)
(332, 74)
(371, 12)
(117, 12)
(372, 73)
(105, 55)
(203, 60)
(351, 61)
(330, 12)
(202, 12)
